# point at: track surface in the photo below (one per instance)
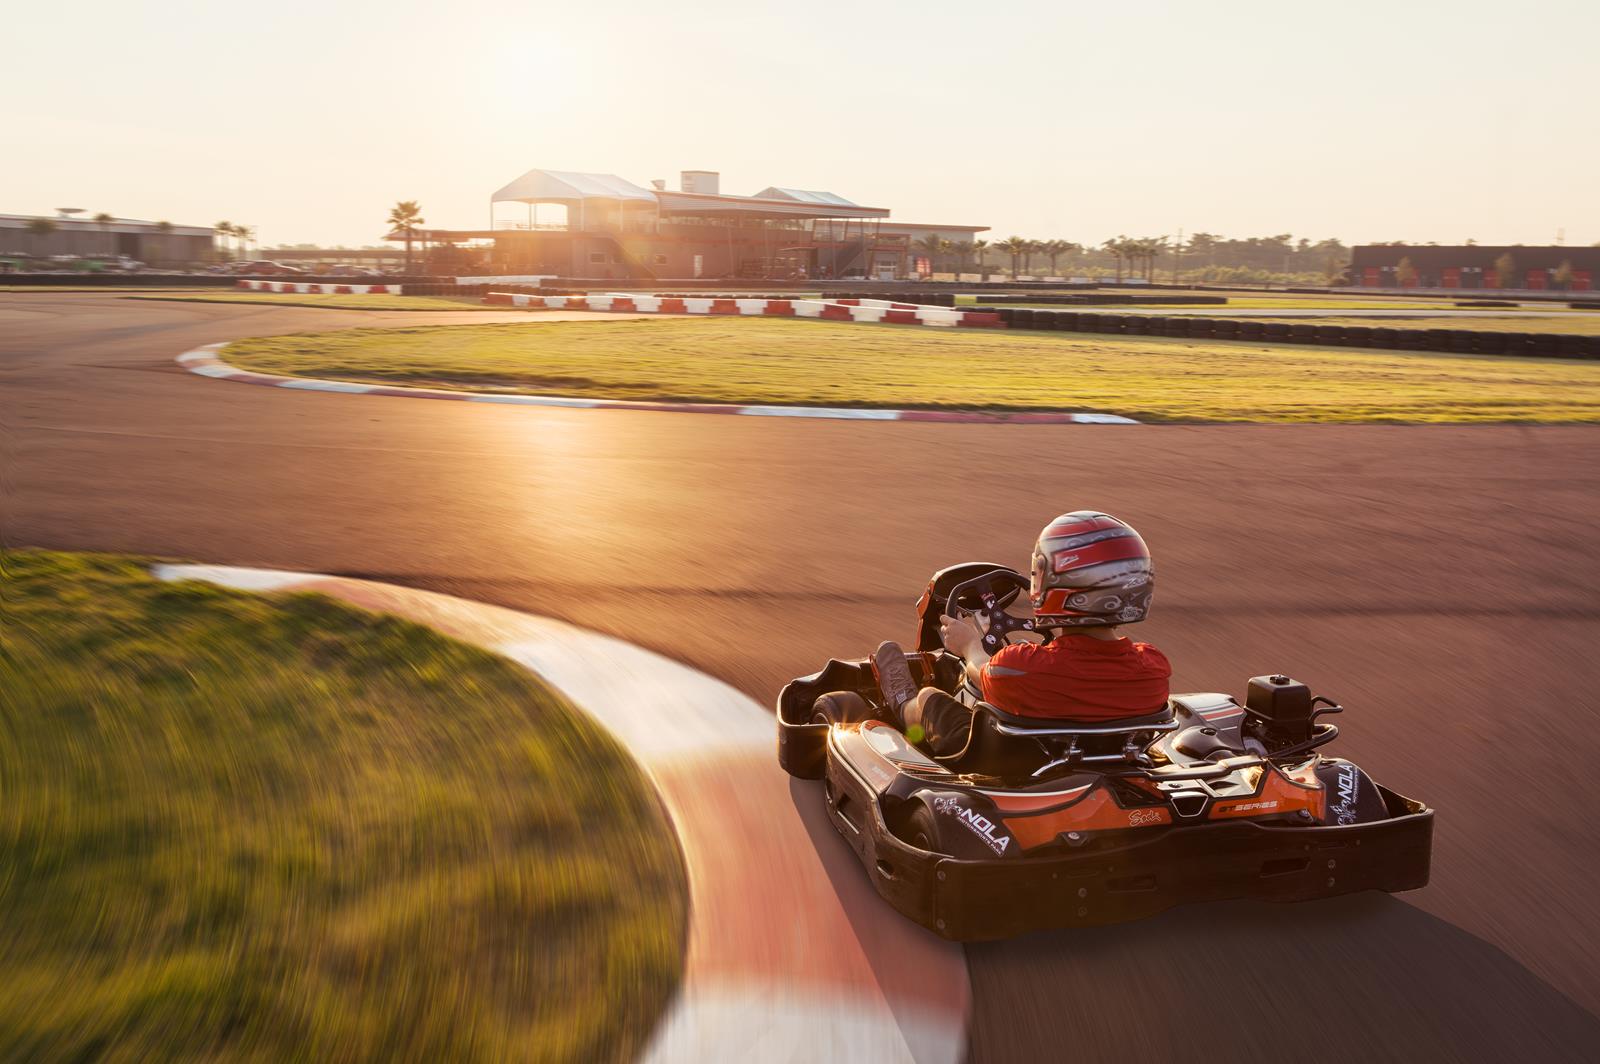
(1441, 582)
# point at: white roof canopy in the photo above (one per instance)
(568, 186)
(801, 195)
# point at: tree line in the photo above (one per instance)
(1200, 257)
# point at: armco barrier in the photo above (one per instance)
(321, 288)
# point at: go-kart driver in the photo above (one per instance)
(1091, 573)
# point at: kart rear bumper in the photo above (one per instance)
(1134, 875)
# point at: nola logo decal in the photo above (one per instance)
(1349, 786)
(976, 823)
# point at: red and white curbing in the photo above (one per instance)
(791, 954)
(206, 362)
(317, 288)
(873, 311)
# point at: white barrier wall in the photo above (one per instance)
(316, 288)
(868, 311)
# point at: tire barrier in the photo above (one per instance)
(862, 310)
(320, 288)
(859, 307)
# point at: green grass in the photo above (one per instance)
(751, 360)
(237, 827)
(334, 302)
(1248, 303)
(1571, 322)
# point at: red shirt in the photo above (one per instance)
(1078, 677)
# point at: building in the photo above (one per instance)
(1475, 266)
(601, 226)
(34, 238)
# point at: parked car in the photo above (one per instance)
(265, 268)
(345, 269)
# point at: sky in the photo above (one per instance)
(1368, 121)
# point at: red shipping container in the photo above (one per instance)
(1452, 277)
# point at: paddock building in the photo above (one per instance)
(1522, 268)
(601, 226)
(31, 237)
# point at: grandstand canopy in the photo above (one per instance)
(569, 186)
(701, 203)
(801, 195)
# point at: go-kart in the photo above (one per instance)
(1039, 823)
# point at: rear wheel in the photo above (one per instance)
(917, 827)
(840, 707)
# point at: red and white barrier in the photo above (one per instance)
(315, 288)
(858, 310)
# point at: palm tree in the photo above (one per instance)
(979, 247)
(1057, 248)
(1146, 250)
(1014, 246)
(104, 220)
(1120, 247)
(39, 228)
(164, 227)
(223, 229)
(934, 246)
(963, 252)
(406, 216)
(246, 234)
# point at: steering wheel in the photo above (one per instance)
(990, 594)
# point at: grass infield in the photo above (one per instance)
(754, 360)
(1569, 322)
(240, 827)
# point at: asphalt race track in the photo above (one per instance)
(1441, 582)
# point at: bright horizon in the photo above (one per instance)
(1369, 122)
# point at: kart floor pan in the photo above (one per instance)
(1134, 876)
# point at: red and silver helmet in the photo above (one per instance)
(1090, 569)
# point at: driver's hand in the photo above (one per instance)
(963, 636)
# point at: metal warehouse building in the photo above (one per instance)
(601, 226)
(1475, 266)
(155, 243)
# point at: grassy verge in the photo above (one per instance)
(1247, 303)
(318, 299)
(1571, 322)
(278, 828)
(752, 360)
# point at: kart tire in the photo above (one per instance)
(919, 828)
(840, 707)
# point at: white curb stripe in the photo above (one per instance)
(775, 969)
(839, 412)
(206, 362)
(327, 386)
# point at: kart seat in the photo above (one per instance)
(1010, 722)
(1002, 743)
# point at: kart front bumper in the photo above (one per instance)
(1134, 875)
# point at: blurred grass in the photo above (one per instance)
(758, 360)
(320, 299)
(236, 827)
(1570, 322)
(1243, 302)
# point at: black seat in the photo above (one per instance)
(1067, 724)
(1015, 752)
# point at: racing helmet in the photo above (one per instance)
(1090, 570)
